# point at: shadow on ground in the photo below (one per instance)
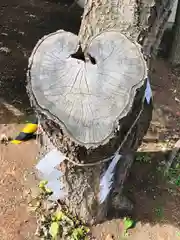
(23, 23)
(156, 197)
(156, 200)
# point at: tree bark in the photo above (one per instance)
(142, 22)
(175, 51)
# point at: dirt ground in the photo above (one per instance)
(15, 221)
(156, 202)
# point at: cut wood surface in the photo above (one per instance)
(87, 97)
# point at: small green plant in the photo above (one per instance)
(54, 222)
(45, 191)
(54, 230)
(159, 212)
(127, 224)
(143, 157)
(177, 182)
(173, 175)
(79, 233)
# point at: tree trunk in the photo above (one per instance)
(91, 102)
(175, 51)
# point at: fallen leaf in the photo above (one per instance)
(128, 223)
(54, 229)
(43, 183)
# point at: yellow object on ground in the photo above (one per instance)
(26, 133)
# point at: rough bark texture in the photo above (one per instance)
(87, 95)
(142, 22)
(175, 52)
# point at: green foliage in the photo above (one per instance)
(44, 189)
(55, 222)
(79, 233)
(159, 212)
(173, 175)
(58, 216)
(143, 157)
(54, 230)
(42, 184)
(128, 223)
(177, 181)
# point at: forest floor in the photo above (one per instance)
(156, 199)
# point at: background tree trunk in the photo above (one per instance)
(175, 51)
(143, 23)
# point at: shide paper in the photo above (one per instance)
(107, 179)
(47, 171)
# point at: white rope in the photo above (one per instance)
(117, 151)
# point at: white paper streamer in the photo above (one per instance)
(47, 171)
(148, 92)
(107, 179)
